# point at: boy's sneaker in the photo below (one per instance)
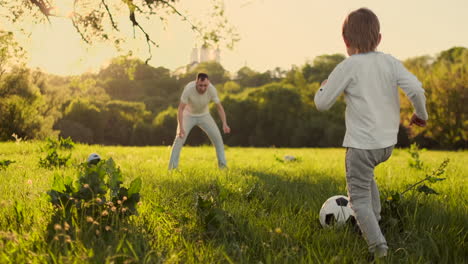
(379, 251)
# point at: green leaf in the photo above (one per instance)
(5, 163)
(115, 177)
(135, 187)
(279, 160)
(58, 184)
(432, 179)
(396, 197)
(427, 190)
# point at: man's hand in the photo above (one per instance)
(226, 129)
(181, 133)
(417, 121)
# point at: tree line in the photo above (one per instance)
(132, 103)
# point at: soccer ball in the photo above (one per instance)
(336, 211)
(94, 158)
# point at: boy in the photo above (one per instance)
(369, 81)
(193, 111)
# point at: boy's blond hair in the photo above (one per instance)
(361, 30)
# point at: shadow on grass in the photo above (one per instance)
(250, 215)
(264, 217)
(426, 228)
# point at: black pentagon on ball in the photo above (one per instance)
(330, 219)
(353, 223)
(351, 220)
(341, 201)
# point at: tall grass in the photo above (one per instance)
(259, 210)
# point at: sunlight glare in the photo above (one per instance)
(63, 8)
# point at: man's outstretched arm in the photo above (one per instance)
(222, 115)
(180, 120)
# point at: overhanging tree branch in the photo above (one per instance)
(149, 41)
(184, 18)
(44, 7)
(114, 25)
(87, 17)
(79, 32)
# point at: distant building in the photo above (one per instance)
(217, 55)
(194, 55)
(199, 55)
(205, 54)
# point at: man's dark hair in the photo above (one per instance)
(202, 76)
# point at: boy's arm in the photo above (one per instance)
(332, 87)
(415, 93)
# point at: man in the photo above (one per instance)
(193, 111)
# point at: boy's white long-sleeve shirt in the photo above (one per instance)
(370, 83)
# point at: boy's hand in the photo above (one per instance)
(226, 129)
(417, 121)
(324, 82)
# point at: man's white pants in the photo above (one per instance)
(207, 124)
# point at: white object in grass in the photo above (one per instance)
(93, 158)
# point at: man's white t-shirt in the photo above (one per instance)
(197, 104)
(370, 83)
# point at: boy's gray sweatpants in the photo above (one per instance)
(207, 124)
(363, 192)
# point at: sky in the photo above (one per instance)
(274, 33)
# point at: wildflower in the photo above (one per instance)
(113, 209)
(66, 226)
(97, 232)
(98, 200)
(95, 223)
(119, 202)
(29, 182)
(89, 219)
(139, 203)
(86, 186)
(56, 238)
(57, 227)
(105, 213)
(278, 230)
(124, 198)
(108, 228)
(124, 209)
(68, 239)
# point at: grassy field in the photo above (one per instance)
(260, 210)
